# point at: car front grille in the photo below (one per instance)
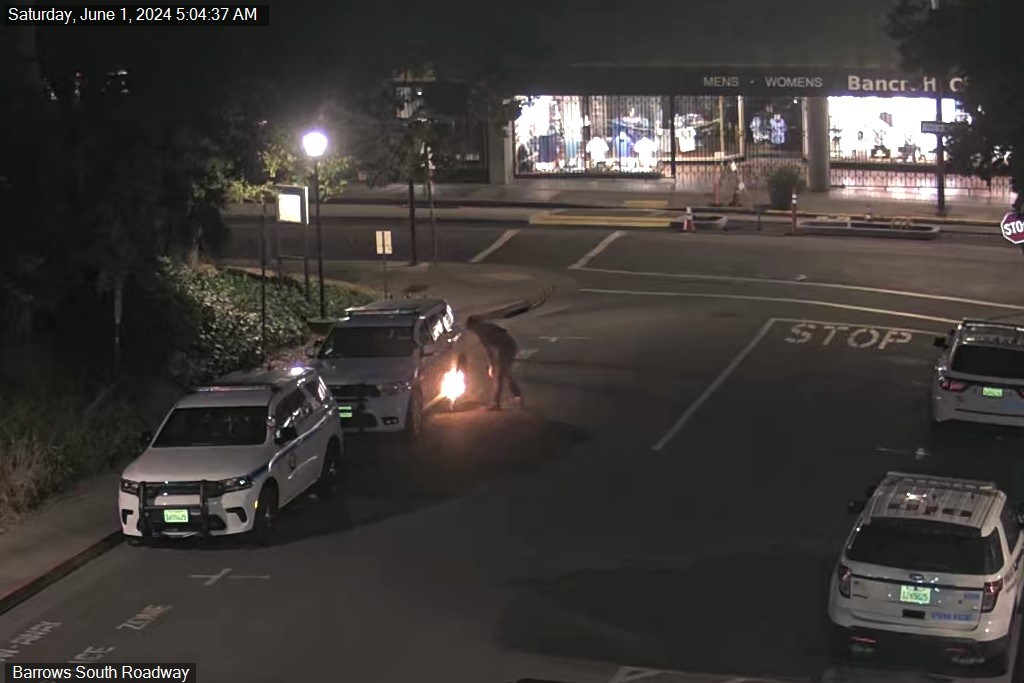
(354, 391)
(174, 488)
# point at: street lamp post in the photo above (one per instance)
(315, 143)
(940, 141)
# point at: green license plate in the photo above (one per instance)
(345, 412)
(991, 392)
(917, 595)
(176, 516)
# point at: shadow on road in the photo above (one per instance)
(386, 477)
(758, 613)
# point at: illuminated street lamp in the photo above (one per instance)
(315, 143)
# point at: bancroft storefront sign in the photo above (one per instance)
(611, 79)
(811, 84)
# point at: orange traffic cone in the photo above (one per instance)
(688, 220)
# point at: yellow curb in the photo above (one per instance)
(646, 203)
(610, 221)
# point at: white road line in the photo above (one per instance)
(498, 244)
(714, 385)
(784, 300)
(804, 283)
(833, 322)
(604, 244)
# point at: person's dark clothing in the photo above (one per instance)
(501, 350)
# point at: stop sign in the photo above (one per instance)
(1012, 226)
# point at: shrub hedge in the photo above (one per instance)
(225, 309)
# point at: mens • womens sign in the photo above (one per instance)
(1012, 226)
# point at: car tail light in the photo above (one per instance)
(952, 384)
(845, 577)
(991, 594)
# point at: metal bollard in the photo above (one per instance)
(793, 226)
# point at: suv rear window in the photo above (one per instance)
(926, 546)
(369, 342)
(989, 361)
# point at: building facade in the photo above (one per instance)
(794, 82)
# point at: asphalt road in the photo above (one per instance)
(698, 415)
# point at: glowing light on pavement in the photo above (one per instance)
(453, 385)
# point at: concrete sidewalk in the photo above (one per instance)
(976, 208)
(80, 523)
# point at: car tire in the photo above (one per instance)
(136, 541)
(998, 665)
(265, 521)
(331, 474)
(414, 417)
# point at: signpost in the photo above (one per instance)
(935, 127)
(384, 249)
(293, 207)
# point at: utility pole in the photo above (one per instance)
(413, 260)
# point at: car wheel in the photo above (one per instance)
(331, 473)
(414, 417)
(999, 664)
(136, 540)
(263, 526)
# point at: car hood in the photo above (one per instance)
(195, 464)
(366, 370)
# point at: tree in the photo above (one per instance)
(978, 39)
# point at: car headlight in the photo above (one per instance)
(235, 484)
(392, 388)
(129, 486)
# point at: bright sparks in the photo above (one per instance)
(453, 385)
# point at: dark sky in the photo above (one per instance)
(317, 40)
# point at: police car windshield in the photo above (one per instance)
(926, 546)
(989, 361)
(369, 342)
(221, 426)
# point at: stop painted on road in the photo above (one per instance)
(822, 334)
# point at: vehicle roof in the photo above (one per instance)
(990, 333)
(246, 388)
(388, 312)
(965, 502)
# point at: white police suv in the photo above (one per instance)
(932, 566)
(384, 362)
(980, 375)
(228, 457)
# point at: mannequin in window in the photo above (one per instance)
(523, 155)
(623, 146)
(759, 129)
(778, 130)
(597, 148)
(645, 149)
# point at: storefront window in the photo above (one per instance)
(885, 129)
(627, 134)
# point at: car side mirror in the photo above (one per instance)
(286, 435)
(855, 507)
(145, 437)
(869, 491)
(941, 342)
(429, 349)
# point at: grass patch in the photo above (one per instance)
(49, 443)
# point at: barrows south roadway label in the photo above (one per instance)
(821, 334)
(100, 672)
